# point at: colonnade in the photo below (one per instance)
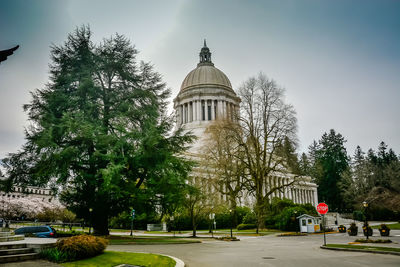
(205, 110)
(298, 194)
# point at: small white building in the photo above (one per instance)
(309, 224)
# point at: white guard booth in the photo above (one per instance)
(309, 224)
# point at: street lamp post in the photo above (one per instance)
(365, 204)
(295, 219)
(91, 219)
(212, 216)
(172, 223)
(230, 213)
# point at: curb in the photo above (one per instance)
(363, 250)
(179, 262)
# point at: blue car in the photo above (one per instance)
(38, 231)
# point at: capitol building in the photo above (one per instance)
(206, 94)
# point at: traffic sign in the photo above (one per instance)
(322, 208)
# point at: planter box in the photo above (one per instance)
(353, 232)
(384, 232)
(368, 232)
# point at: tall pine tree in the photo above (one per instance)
(331, 162)
(99, 131)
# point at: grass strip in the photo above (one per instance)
(113, 258)
(370, 248)
(395, 226)
(124, 240)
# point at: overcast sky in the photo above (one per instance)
(338, 60)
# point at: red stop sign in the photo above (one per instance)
(322, 208)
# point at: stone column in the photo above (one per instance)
(180, 115)
(199, 110)
(212, 110)
(315, 197)
(194, 110)
(190, 113)
(219, 108)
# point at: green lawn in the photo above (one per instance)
(113, 258)
(395, 226)
(364, 247)
(124, 240)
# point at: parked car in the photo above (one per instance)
(38, 231)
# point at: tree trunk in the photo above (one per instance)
(260, 213)
(234, 212)
(100, 222)
(193, 224)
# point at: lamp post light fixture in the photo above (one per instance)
(212, 219)
(365, 204)
(172, 223)
(230, 213)
(90, 225)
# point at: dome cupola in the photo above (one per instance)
(206, 75)
(205, 55)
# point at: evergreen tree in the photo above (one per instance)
(304, 165)
(99, 131)
(287, 150)
(332, 162)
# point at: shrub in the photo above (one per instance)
(353, 229)
(287, 221)
(250, 218)
(69, 233)
(270, 221)
(243, 226)
(358, 215)
(342, 228)
(54, 255)
(367, 230)
(241, 213)
(81, 246)
(277, 205)
(223, 220)
(374, 241)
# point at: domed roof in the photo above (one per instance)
(206, 75)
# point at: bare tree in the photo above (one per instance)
(264, 122)
(222, 161)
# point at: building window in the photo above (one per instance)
(209, 112)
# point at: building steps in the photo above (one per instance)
(11, 238)
(6, 236)
(16, 252)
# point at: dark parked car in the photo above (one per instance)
(38, 231)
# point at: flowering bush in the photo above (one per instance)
(16, 205)
(367, 230)
(82, 246)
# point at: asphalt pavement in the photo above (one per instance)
(297, 251)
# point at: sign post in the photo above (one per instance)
(133, 216)
(322, 209)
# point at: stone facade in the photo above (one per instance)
(206, 94)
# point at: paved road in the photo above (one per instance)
(267, 251)
(261, 251)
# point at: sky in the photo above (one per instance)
(339, 61)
